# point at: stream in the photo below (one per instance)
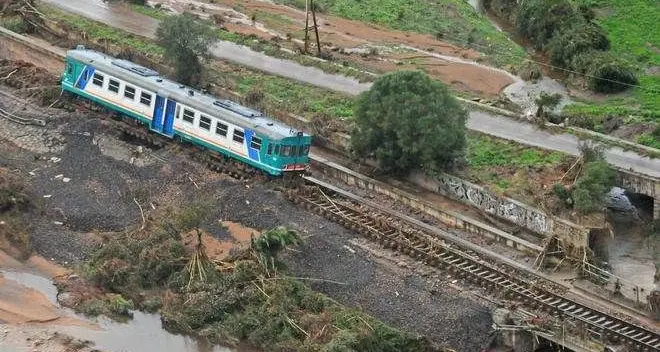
(142, 333)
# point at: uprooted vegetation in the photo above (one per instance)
(245, 297)
(14, 238)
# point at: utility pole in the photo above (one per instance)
(309, 6)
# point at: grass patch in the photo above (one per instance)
(291, 96)
(628, 25)
(451, 20)
(486, 152)
(157, 13)
(511, 169)
(101, 32)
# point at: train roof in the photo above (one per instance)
(227, 110)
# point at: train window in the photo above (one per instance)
(188, 116)
(256, 143)
(277, 149)
(305, 150)
(129, 92)
(221, 129)
(69, 69)
(205, 122)
(286, 150)
(145, 98)
(239, 136)
(98, 80)
(270, 149)
(113, 86)
(178, 111)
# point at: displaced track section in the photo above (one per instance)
(397, 231)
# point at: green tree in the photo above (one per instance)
(538, 20)
(185, 40)
(406, 121)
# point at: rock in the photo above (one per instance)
(402, 264)
(66, 180)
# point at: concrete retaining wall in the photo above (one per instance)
(570, 234)
(448, 218)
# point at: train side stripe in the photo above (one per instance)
(84, 77)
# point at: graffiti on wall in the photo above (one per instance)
(502, 207)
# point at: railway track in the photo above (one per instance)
(394, 231)
(8, 115)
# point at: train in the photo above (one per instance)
(182, 113)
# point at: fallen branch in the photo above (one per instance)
(9, 75)
(141, 213)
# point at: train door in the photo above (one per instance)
(85, 76)
(168, 126)
(157, 121)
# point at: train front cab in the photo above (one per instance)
(290, 154)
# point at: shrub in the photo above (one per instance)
(592, 187)
(577, 39)
(530, 71)
(538, 20)
(606, 73)
(582, 121)
(561, 192)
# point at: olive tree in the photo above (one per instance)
(407, 121)
(185, 40)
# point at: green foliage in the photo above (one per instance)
(14, 24)
(115, 306)
(606, 73)
(548, 101)
(102, 32)
(649, 140)
(628, 24)
(185, 40)
(562, 193)
(269, 243)
(581, 37)
(121, 306)
(573, 42)
(144, 9)
(539, 20)
(407, 121)
(451, 20)
(592, 187)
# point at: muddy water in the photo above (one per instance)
(142, 333)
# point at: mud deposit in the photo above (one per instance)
(109, 181)
(32, 316)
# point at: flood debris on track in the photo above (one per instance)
(243, 298)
